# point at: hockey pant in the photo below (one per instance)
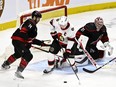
(52, 58)
(20, 51)
(95, 53)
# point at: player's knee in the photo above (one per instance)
(28, 56)
(16, 56)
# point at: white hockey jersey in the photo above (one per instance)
(68, 33)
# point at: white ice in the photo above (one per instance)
(33, 74)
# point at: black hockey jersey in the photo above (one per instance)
(26, 32)
(91, 32)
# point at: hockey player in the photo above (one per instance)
(22, 39)
(63, 34)
(95, 31)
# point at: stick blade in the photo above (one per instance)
(92, 71)
(89, 71)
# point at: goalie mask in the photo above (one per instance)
(99, 22)
(63, 21)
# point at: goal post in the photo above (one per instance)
(47, 12)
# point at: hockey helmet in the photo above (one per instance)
(36, 14)
(99, 22)
(63, 21)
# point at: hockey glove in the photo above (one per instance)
(54, 35)
(66, 53)
(107, 47)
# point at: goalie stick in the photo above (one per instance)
(88, 55)
(92, 71)
(82, 41)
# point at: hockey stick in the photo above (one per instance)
(74, 71)
(88, 55)
(81, 43)
(82, 61)
(40, 49)
(58, 56)
(92, 71)
(71, 65)
(45, 50)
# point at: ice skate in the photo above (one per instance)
(4, 66)
(19, 75)
(48, 70)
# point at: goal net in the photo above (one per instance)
(47, 12)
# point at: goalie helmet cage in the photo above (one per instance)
(58, 10)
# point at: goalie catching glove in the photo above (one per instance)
(107, 47)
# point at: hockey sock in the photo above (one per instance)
(10, 60)
(22, 65)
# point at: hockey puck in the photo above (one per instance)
(65, 81)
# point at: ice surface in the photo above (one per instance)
(33, 74)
